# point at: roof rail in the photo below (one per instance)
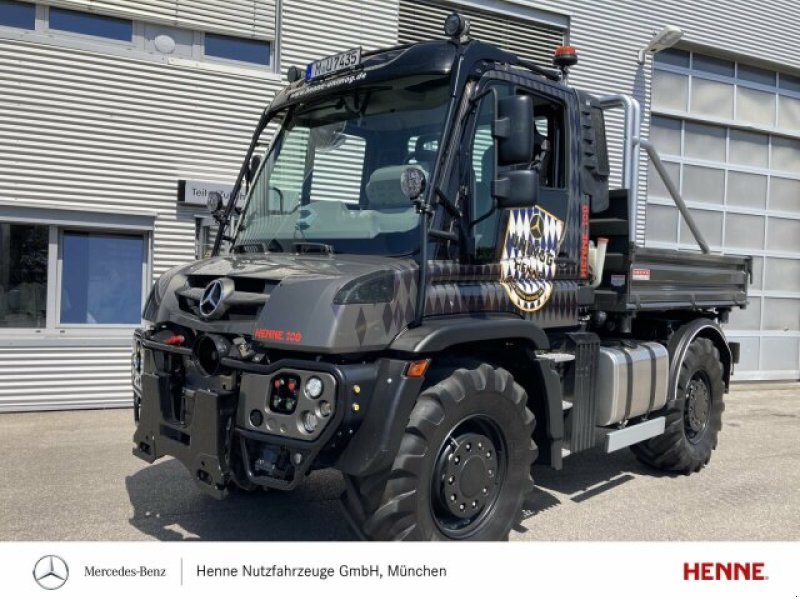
(551, 74)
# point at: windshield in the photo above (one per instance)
(333, 174)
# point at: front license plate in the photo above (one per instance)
(332, 64)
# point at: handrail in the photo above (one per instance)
(673, 191)
(630, 156)
(630, 165)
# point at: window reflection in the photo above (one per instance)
(23, 275)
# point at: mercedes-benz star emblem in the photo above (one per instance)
(537, 227)
(212, 302)
(51, 572)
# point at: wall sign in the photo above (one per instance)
(193, 192)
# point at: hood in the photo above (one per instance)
(302, 302)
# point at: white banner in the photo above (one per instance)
(399, 571)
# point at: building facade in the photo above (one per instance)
(117, 116)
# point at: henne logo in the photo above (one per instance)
(50, 572)
(731, 571)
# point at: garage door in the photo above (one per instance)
(730, 135)
(520, 34)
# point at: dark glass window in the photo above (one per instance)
(23, 275)
(91, 24)
(233, 48)
(101, 278)
(756, 75)
(711, 64)
(790, 83)
(17, 14)
(678, 58)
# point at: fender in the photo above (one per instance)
(679, 344)
(438, 334)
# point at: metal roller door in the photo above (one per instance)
(729, 134)
(523, 36)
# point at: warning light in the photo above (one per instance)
(565, 56)
(417, 368)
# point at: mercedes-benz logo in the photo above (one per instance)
(212, 302)
(537, 227)
(51, 572)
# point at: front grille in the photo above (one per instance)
(244, 304)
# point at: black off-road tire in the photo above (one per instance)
(472, 432)
(691, 430)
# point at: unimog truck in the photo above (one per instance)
(430, 288)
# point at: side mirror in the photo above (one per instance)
(513, 130)
(516, 189)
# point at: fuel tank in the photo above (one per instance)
(631, 380)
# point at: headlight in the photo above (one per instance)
(314, 387)
(369, 289)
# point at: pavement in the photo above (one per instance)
(70, 476)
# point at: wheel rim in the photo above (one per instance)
(697, 408)
(468, 476)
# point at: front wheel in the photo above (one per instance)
(463, 468)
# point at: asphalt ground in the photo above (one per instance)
(71, 476)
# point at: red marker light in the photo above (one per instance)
(175, 340)
(278, 383)
(291, 385)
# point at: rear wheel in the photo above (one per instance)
(463, 468)
(694, 422)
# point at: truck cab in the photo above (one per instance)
(431, 288)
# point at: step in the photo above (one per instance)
(557, 357)
(608, 226)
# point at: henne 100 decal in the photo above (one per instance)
(528, 263)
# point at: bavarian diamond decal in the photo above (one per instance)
(528, 264)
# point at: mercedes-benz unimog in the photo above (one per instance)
(430, 288)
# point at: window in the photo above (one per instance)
(60, 277)
(91, 24)
(141, 39)
(338, 168)
(23, 275)
(101, 278)
(482, 163)
(549, 143)
(17, 14)
(239, 49)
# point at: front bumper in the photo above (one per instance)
(204, 424)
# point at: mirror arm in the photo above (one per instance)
(451, 208)
(447, 236)
(485, 215)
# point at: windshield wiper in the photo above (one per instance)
(311, 247)
(263, 247)
(248, 247)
